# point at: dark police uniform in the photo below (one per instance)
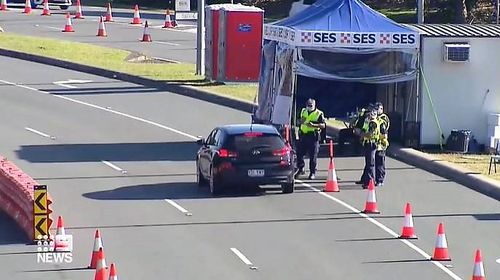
(370, 141)
(382, 145)
(309, 138)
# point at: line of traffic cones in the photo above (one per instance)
(98, 261)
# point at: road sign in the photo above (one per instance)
(183, 5)
(40, 202)
(41, 223)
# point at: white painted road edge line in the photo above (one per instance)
(39, 133)
(242, 257)
(105, 109)
(114, 166)
(498, 261)
(166, 43)
(178, 207)
(62, 84)
(384, 228)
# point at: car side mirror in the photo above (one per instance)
(200, 141)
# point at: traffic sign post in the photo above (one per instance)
(40, 212)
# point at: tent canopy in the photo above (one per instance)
(342, 23)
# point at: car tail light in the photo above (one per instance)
(252, 134)
(284, 163)
(282, 152)
(223, 153)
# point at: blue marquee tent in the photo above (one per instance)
(331, 51)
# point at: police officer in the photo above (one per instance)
(382, 144)
(370, 136)
(311, 122)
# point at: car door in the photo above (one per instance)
(205, 154)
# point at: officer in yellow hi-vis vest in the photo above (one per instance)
(311, 123)
(382, 144)
(369, 138)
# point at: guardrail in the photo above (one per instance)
(17, 197)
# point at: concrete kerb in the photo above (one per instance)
(410, 156)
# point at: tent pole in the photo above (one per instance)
(293, 121)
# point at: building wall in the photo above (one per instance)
(463, 93)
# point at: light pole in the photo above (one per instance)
(420, 11)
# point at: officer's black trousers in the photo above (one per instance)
(379, 167)
(308, 144)
(369, 171)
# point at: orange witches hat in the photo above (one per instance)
(371, 200)
(100, 271)
(112, 272)
(478, 272)
(60, 226)
(79, 13)
(146, 37)
(168, 20)
(331, 182)
(408, 231)
(137, 16)
(441, 249)
(95, 251)
(109, 14)
(101, 31)
(3, 5)
(46, 10)
(27, 7)
(68, 27)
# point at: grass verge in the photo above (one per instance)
(118, 60)
(476, 163)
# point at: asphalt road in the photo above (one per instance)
(177, 44)
(150, 134)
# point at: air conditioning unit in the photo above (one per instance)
(456, 52)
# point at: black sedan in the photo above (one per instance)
(245, 154)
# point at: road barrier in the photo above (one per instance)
(18, 200)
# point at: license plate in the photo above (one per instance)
(256, 172)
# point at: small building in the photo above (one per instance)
(459, 81)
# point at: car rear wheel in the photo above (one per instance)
(215, 185)
(288, 187)
(199, 177)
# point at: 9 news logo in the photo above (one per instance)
(55, 251)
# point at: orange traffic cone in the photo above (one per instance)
(137, 16)
(172, 17)
(100, 270)
(168, 20)
(46, 10)
(408, 231)
(478, 272)
(331, 182)
(95, 251)
(101, 32)
(112, 272)
(79, 13)
(60, 226)
(371, 200)
(109, 14)
(3, 5)
(146, 37)
(68, 27)
(27, 7)
(441, 249)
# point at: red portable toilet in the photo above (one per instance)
(212, 39)
(239, 43)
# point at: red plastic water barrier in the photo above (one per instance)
(16, 196)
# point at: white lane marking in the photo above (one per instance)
(384, 228)
(39, 133)
(498, 261)
(54, 28)
(107, 110)
(61, 84)
(166, 43)
(242, 257)
(178, 207)
(67, 83)
(114, 166)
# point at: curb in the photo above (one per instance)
(177, 89)
(410, 156)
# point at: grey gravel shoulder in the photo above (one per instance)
(410, 156)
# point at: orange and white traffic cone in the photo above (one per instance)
(478, 272)
(68, 27)
(441, 249)
(46, 10)
(172, 17)
(60, 226)
(112, 272)
(79, 13)
(168, 20)
(146, 37)
(408, 232)
(100, 270)
(3, 5)
(27, 7)
(109, 14)
(101, 31)
(137, 15)
(331, 181)
(371, 200)
(95, 251)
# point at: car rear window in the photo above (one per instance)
(250, 141)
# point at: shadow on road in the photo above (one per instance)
(10, 232)
(160, 151)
